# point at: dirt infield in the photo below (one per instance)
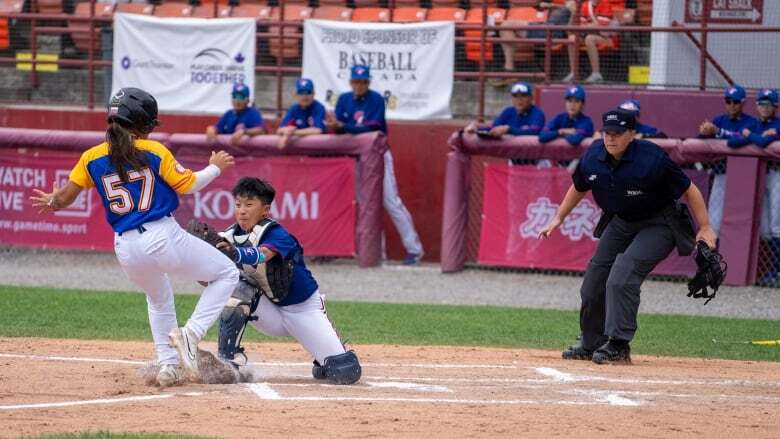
(66, 385)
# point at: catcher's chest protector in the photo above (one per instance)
(274, 276)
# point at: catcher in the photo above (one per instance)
(276, 293)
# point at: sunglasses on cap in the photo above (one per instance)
(730, 101)
(239, 97)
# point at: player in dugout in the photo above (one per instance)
(243, 120)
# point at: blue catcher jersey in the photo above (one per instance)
(150, 193)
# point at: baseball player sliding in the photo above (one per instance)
(139, 181)
(276, 293)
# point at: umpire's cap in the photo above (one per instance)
(133, 108)
(618, 121)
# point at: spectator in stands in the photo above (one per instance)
(593, 13)
(643, 131)
(560, 15)
(363, 110)
(242, 120)
(765, 131)
(573, 125)
(728, 126)
(304, 118)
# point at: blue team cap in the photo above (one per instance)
(360, 71)
(521, 88)
(735, 93)
(575, 92)
(240, 91)
(631, 105)
(304, 86)
(767, 95)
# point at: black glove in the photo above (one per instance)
(710, 273)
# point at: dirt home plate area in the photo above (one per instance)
(51, 385)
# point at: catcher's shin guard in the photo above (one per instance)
(343, 368)
(232, 322)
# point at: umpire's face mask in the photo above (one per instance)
(249, 211)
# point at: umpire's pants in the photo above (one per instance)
(627, 252)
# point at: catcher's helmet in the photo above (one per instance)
(133, 108)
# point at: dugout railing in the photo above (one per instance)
(744, 191)
(367, 150)
(281, 32)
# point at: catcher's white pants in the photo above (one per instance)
(165, 248)
(307, 322)
(397, 211)
(770, 212)
(715, 205)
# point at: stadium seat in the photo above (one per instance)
(371, 15)
(408, 14)
(527, 14)
(437, 4)
(50, 6)
(203, 11)
(473, 49)
(258, 12)
(457, 15)
(80, 30)
(173, 9)
(290, 48)
(134, 8)
(406, 3)
(336, 13)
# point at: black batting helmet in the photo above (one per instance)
(133, 108)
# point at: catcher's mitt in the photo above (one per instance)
(205, 232)
(710, 273)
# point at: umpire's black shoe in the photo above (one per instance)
(577, 352)
(614, 351)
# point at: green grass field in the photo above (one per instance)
(53, 313)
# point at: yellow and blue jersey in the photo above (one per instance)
(150, 193)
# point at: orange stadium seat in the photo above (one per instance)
(203, 11)
(371, 15)
(528, 14)
(408, 14)
(134, 8)
(473, 49)
(290, 47)
(406, 3)
(258, 12)
(80, 30)
(173, 9)
(436, 4)
(337, 13)
(340, 3)
(50, 6)
(457, 15)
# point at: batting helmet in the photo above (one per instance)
(133, 108)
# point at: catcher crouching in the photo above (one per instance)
(276, 293)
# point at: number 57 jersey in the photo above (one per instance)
(149, 194)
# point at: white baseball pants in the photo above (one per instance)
(715, 205)
(397, 211)
(164, 248)
(307, 322)
(770, 211)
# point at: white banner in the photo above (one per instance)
(411, 64)
(188, 64)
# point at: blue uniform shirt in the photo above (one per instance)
(637, 187)
(303, 285)
(582, 123)
(646, 130)
(249, 117)
(758, 129)
(530, 122)
(731, 129)
(312, 116)
(363, 114)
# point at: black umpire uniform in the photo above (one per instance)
(637, 193)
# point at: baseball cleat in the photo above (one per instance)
(186, 344)
(613, 352)
(168, 375)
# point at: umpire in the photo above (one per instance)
(637, 186)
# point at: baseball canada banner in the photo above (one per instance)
(188, 64)
(411, 64)
(315, 200)
(519, 201)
